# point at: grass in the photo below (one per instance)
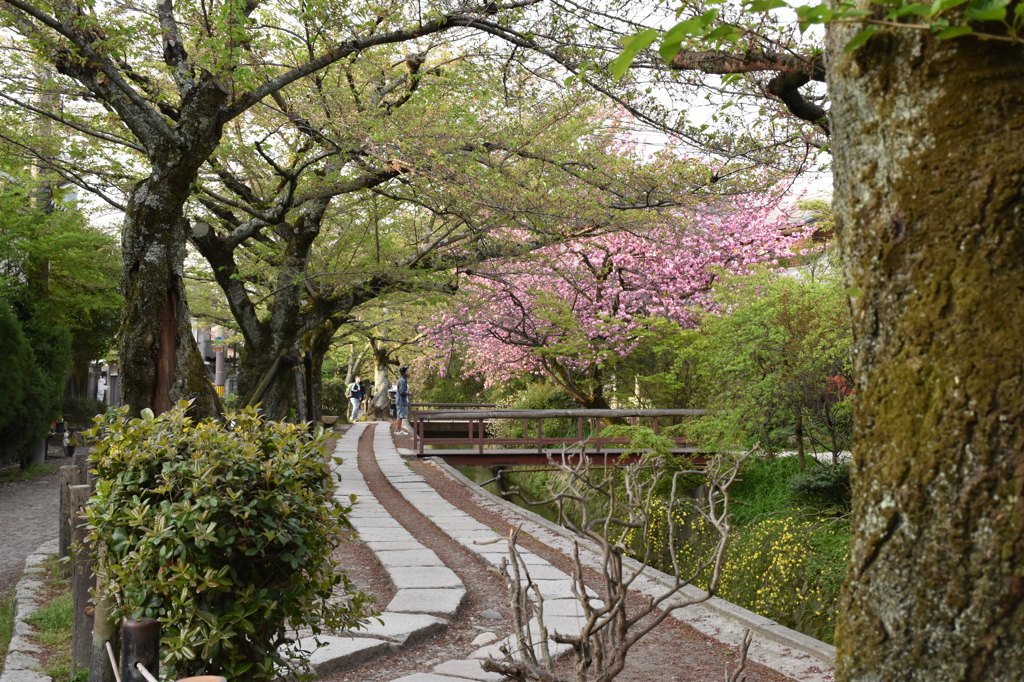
(32, 471)
(6, 622)
(53, 622)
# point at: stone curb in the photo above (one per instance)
(22, 655)
(747, 619)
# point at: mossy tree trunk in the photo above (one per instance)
(929, 164)
(318, 341)
(160, 361)
(380, 406)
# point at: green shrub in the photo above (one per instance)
(34, 359)
(78, 411)
(332, 397)
(823, 487)
(222, 533)
(763, 488)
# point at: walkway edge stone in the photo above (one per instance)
(748, 619)
(22, 654)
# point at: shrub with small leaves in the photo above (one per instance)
(223, 532)
(824, 487)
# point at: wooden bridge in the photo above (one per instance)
(467, 434)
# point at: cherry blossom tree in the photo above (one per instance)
(573, 310)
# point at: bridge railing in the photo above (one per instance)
(439, 428)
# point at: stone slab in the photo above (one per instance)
(460, 524)
(543, 572)
(19, 643)
(565, 625)
(408, 557)
(385, 535)
(343, 653)
(555, 589)
(19, 660)
(384, 521)
(443, 603)
(430, 577)
(468, 669)
(393, 545)
(568, 607)
(470, 538)
(405, 629)
(24, 629)
(428, 677)
(24, 676)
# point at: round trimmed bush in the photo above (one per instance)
(223, 532)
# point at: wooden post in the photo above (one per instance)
(104, 629)
(82, 462)
(82, 580)
(68, 477)
(300, 404)
(140, 643)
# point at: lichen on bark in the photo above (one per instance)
(928, 141)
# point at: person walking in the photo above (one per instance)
(355, 396)
(402, 427)
(70, 439)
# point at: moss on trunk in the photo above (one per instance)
(160, 360)
(929, 164)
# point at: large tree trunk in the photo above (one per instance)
(161, 363)
(380, 406)
(929, 163)
(319, 342)
(254, 363)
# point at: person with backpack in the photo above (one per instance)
(355, 396)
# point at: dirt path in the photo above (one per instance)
(28, 518)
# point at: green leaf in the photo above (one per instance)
(916, 8)
(147, 414)
(852, 291)
(954, 32)
(987, 10)
(765, 5)
(631, 47)
(860, 39)
(814, 14)
(942, 5)
(719, 32)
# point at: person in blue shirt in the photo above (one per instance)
(355, 396)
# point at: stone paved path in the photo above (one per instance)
(28, 518)
(427, 592)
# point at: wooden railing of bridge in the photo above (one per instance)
(462, 435)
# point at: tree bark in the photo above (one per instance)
(160, 360)
(379, 407)
(928, 141)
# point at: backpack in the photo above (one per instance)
(348, 390)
